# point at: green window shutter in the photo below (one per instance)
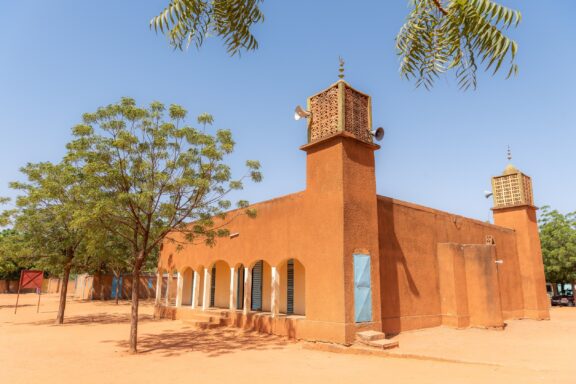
(213, 286)
(290, 288)
(240, 289)
(257, 286)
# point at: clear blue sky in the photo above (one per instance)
(60, 59)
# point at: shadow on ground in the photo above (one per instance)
(14, 305)
(94, 319)
(215, 342)
(121, 303)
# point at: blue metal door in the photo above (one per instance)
(362, 289)
(115, 282)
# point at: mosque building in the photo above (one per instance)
(337, 261)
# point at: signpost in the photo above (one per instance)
(30, 279)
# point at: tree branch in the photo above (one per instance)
(439, 6)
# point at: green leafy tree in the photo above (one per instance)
(153, 176)
(107, 253)
(558, 238)
(438, 36)
(50, 221)
(11, 245)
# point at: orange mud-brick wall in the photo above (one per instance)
(435, 267)
(103, 288)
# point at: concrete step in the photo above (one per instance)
(210, 316)
(370, 335)
(201, 324)
(380, 344)
(205, 317)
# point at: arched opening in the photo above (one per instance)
(261, 287)
(187, 286)
(292, 288)
(240, 286)
(220, 285)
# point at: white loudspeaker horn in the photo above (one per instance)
(300, 113)
(378, 133)
(487, 194)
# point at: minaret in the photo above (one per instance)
(341, 187)
(514, 208)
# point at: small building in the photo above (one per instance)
(335, 259)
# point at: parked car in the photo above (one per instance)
(563, 300)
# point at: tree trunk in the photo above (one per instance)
(117, 284)
(135, 299)
(100, 281)
(64, 290)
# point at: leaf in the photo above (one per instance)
(432, 43)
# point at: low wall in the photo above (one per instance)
(51, 285)
(88, 287)
(11, 286)
(102, 287)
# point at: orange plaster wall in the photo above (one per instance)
(482, 286)
(452, 285)
(321, 228)
(469, 288)
(523, 220)
(360, 225)
(306, 226)
(409, 238)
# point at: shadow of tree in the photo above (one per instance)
(213, 342)
(95, 319)
(121, 303)
(14, 305)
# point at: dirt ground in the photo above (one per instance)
(91, 348)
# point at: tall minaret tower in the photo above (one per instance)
(341, 191)
(514, 208)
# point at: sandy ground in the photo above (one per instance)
(91, 348)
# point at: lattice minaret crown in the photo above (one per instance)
(512, 188)
(340, 108)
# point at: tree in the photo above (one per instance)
(108, 252)
(153, 176)
(49, 219)
(10, 262)
(558, 238)
(438, 36)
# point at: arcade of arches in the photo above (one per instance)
(256, 288)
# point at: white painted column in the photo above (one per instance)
(275, 293)
(207, 285)
(195, 289)
(179, 286)
(247, 290)
(168, 284)
(158, 288)
(233, 289)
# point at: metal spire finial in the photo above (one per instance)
(341, 69)
(509, 154)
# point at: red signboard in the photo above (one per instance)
(31, 279)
